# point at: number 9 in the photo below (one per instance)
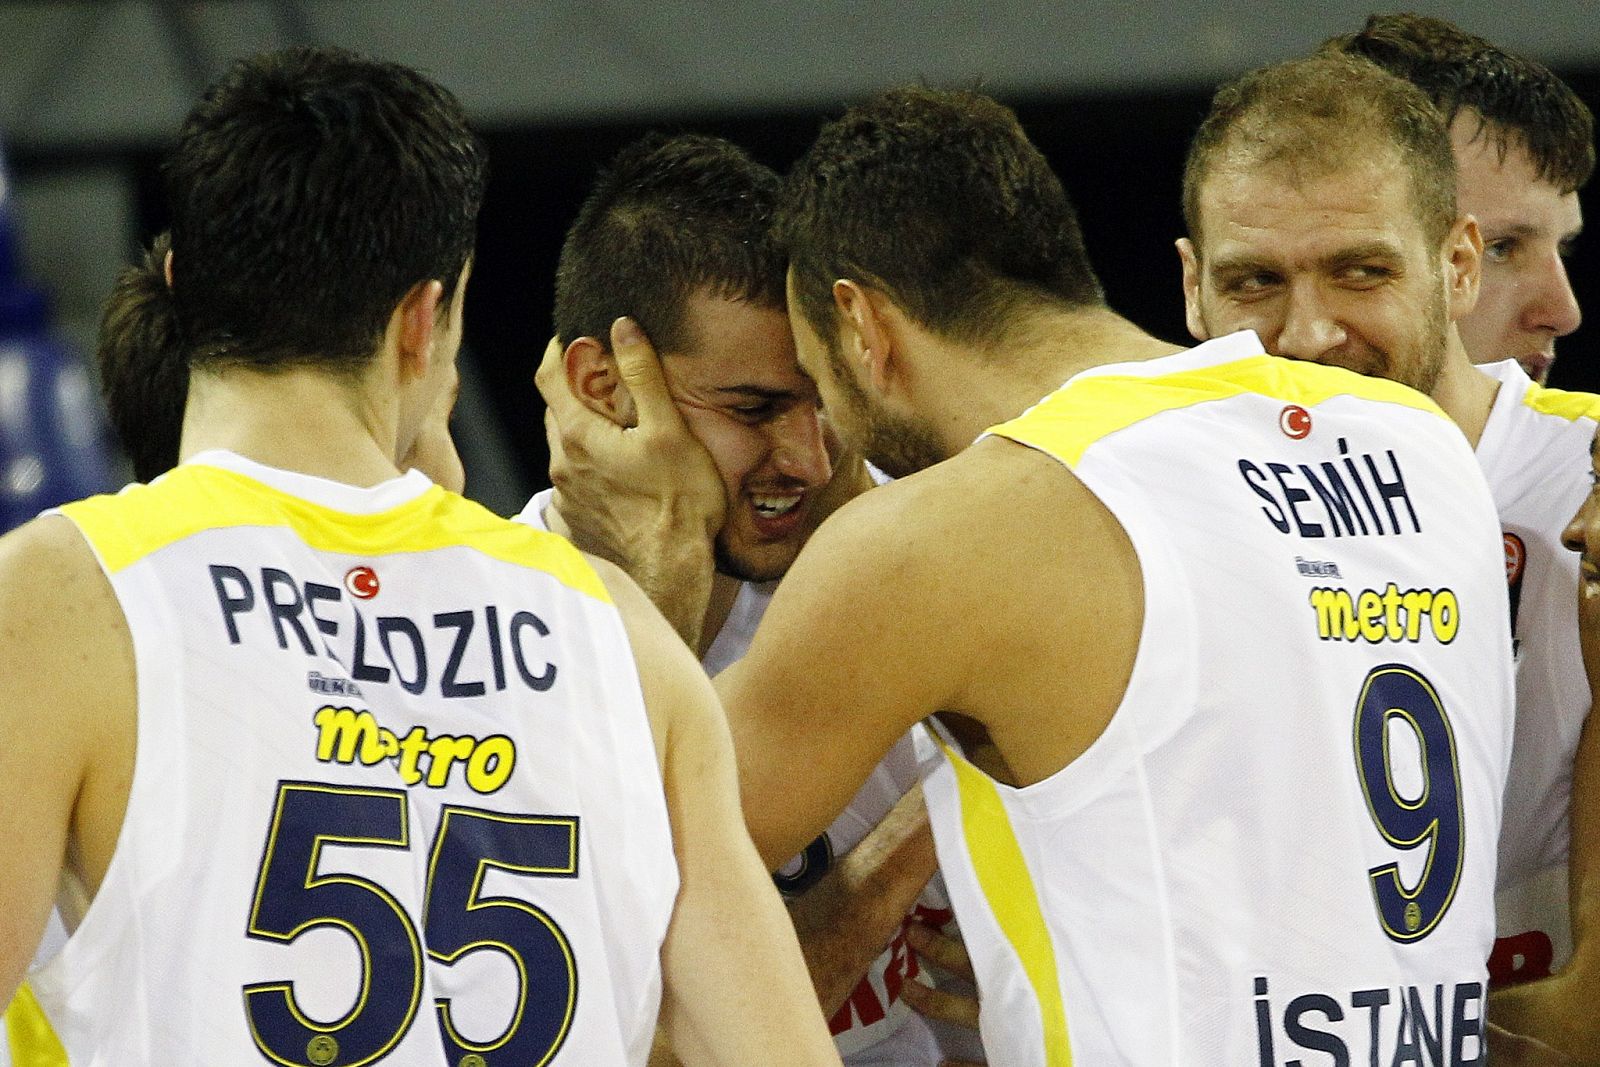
(1434, 817)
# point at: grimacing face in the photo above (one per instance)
(743, 396)
(1334, 269)
(1528, 226)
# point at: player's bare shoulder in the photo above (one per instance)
(59, 619)
(67, 701)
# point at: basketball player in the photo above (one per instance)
(335, 767)
(1524, 145)
(144, 378)
(676, 233)
(1531, 442)
(1155, 610)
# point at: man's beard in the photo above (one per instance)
(728, 563)
(898, 446)
(1433, 340)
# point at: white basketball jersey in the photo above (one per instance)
(396, 799)
(1535, 454)
(874, 1027)
(1284, 842)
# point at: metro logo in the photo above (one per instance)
(1391, 615)
(351, 737)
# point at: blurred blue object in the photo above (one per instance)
(53, 442)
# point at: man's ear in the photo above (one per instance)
(412, 324)
(1190, 258)
(867, 337)
(593, 377)
(1463, 265)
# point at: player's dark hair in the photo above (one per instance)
(310, 190)
(144, 375)
(938, 198)
(1318, 114)
(668, 217)
(1520, 102)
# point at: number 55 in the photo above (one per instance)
(293, 897)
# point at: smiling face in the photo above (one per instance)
(744, 397)
(1331, 268)
(1528, 228)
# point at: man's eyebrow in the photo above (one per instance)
(757, 392)
(1240, 263)
(1517, 229)
(1356, 253)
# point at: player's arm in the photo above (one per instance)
(633, 485)
(66, 684)
(857, 646)
(736, 991)
(850, 915)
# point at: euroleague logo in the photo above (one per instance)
(362, 582)
(1295, 422)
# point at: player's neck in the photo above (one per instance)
(1038, 357)
(1464, 392)
(297, 419)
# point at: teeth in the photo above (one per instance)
(772, 506)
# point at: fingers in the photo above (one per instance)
(551, 377)
(937, 1004)
(558, 452)
(946, 953)
(640, 369)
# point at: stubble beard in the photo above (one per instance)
(1422, 372)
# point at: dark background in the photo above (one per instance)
(1120, 157)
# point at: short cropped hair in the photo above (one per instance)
(310, 190)
(938, 198)
(1519, 101)
(668, 217)
(1316, 115)
(144, 375)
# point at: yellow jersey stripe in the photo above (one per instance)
(1072, 419)
(1008, 887)
(143, 519)
(1562, 404)
(33, 1040)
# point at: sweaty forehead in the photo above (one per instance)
(1251, 203)
(736, 347)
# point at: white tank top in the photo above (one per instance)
(396, 799)
(1535, 454)
(1284, 841)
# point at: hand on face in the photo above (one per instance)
(626, 491)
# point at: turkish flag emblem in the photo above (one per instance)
(1295, 422)
(362, 582)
